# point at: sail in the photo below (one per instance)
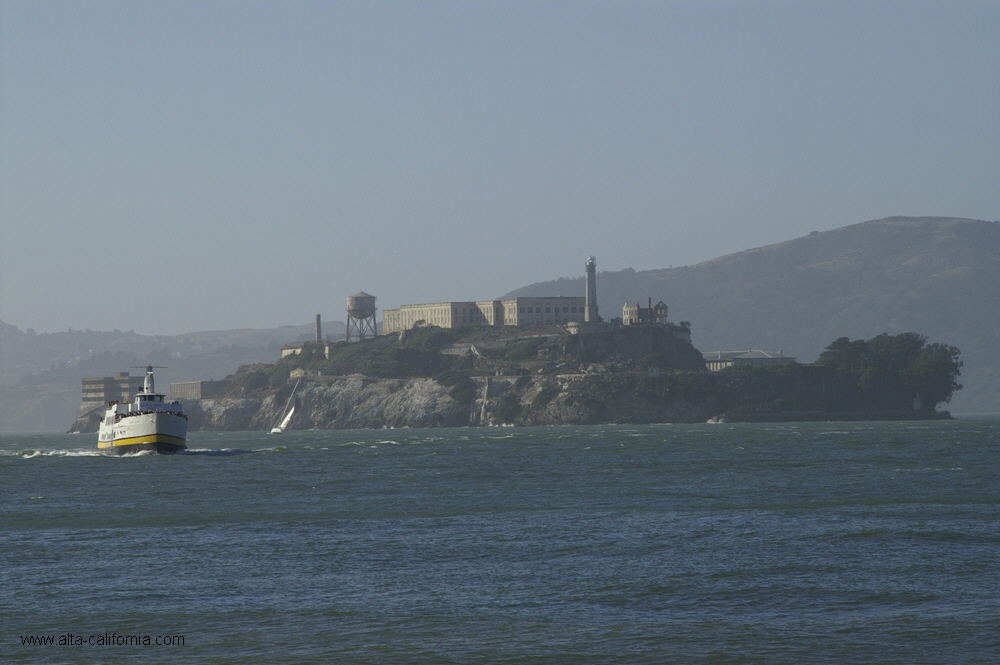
(280, 427)
(287, 419)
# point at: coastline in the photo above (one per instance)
(830, 416)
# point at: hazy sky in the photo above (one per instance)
(180, 166)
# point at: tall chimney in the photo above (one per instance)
(319, 330)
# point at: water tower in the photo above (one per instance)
(361, 317)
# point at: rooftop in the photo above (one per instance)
(747, 355)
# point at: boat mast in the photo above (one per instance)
(281, 416)
(148, 385)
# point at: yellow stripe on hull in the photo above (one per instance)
(137, 440)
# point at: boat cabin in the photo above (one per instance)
(147, 401)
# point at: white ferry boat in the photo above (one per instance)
(146, 423)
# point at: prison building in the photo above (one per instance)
(545, 310)
(99, 390)
(524, 311)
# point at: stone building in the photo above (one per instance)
(634, 315)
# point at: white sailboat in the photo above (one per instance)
(287, 418)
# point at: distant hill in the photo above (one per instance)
(40, 373)
(936, 276)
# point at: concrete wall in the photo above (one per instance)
(191, 390)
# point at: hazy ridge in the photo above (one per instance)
(40, 374)
(937, 276)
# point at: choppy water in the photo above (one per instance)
(790, 543)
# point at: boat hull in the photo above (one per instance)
(160, 447)
(160, 432)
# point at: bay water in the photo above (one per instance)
(714, 543)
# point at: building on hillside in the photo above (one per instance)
(441, 314)
(576, 312)
(545, 310)
(297, 348)
(192, 390)
(719, 360)
(523, 311)
(99, 390)
(323, 345)
(635, 315)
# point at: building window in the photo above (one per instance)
(565, 309)
(547, 310)
(574, 310)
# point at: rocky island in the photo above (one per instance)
(435, 377)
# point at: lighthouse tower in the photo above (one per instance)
(590, 307)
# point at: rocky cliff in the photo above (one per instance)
(358, 402)
(340, 403)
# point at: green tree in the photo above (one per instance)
(933, 375)
(888, 371)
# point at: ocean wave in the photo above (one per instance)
(31, 453)
(222, 452)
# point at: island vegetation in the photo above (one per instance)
(888, 376)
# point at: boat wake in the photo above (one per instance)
(31, 453)
(216, 452)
